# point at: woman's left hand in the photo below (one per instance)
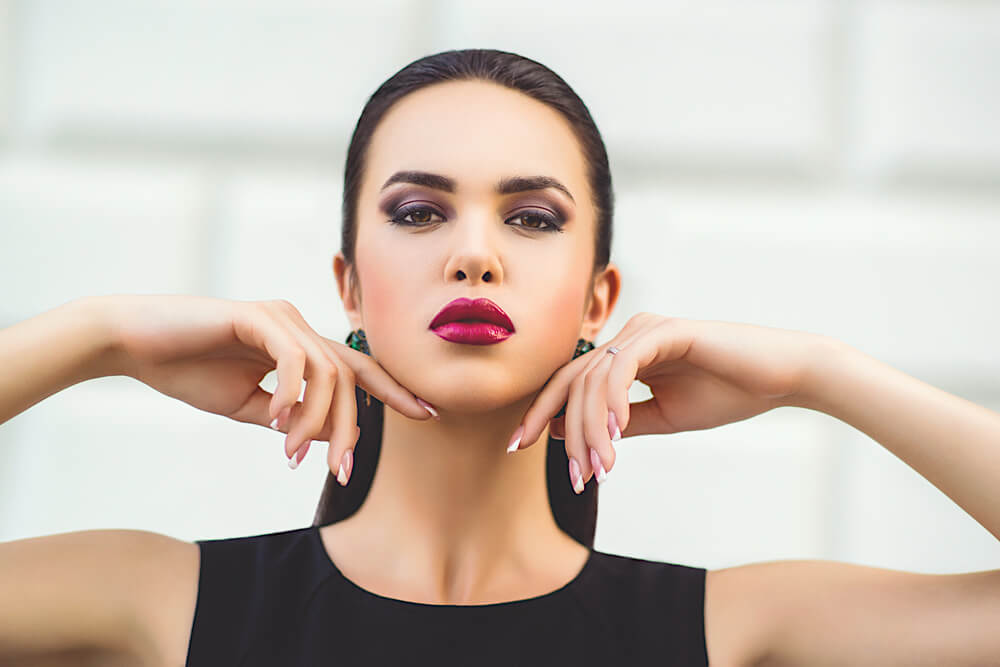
(701, 373)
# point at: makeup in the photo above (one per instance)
(472, 322)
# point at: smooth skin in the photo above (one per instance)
(119, 595)
(485, 535)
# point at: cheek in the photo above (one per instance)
(557, 308)
(390, 292)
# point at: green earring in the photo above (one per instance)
(356, 340)
(582, 347)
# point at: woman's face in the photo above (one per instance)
(475, 134)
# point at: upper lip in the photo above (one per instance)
(482, 310)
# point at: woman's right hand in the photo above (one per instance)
(212, 353)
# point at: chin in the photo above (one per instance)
(471, 392)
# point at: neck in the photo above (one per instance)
(450, 507)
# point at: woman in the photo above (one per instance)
(475, 272)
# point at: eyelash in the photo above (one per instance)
(555, 223)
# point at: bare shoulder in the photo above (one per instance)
(821, 612)
(734, 629)
(112, 592)
(166, 570)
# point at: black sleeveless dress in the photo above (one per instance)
(278, 600)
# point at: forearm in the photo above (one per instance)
(952, 442)
(51, 351)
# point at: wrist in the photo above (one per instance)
(826, 355)
(96, 317)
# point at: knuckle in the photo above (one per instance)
(296, 354)
(346, 374)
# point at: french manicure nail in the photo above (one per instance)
(574, 475)
(516, 440)
(274, 424)
(292, 463)
(427, 406)
(613, 429)
(344, 474)
(595, 463)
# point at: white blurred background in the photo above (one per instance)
(826, 166)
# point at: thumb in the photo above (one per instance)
(257, 408)
(644, 418)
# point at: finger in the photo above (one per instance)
(368, 373)
(576, 448)
(619, 402)
(345, 429)
(558, 424)
(373, 378)
(261, 330)
(556, 391)
(576, 421)
(554, 395)
(339, 411)
(591, 420)
(595, 417)
(297, 458)
(557, 428)
(580, 388)
(321, 377)
(666, 340)
(255, 410)
(291, 368)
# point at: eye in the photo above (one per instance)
(420, 215)
(533, 217)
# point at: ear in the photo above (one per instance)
(603, 297)
(347, 287)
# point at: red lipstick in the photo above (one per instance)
(473, 322)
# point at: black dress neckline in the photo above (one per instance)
(563, 590)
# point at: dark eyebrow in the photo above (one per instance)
(505, 186)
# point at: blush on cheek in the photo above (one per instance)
(564, 312)
(391, 309)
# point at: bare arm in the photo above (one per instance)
(829, 613)
(952, 442)
(54, 350)
(76, 597)
(97, 597)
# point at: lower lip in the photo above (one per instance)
(473, 333)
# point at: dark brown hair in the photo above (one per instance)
(576, 515)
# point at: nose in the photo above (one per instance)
(475, 258)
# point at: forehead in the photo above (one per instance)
(475, 132)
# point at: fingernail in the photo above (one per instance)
(427, 406)
(613, 429)
(574, 475)
(281, 418)
(595, 462)
(344, 474)
(516, 440)
(299, 454)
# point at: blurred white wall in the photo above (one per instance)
(817, 165)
